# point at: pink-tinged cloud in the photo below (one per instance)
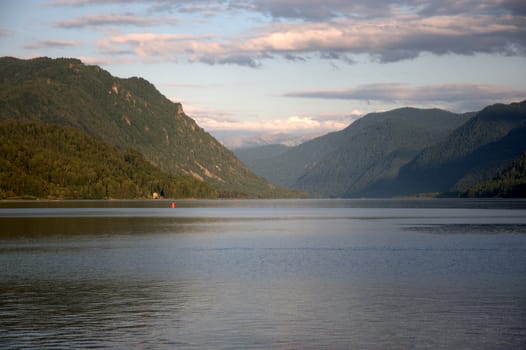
(386, 40)
(106, 61)
(173, 47)
(397, 38)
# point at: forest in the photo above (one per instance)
(509, 183)
(59, 162)
(127, 113)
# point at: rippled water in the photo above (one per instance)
(310, 274)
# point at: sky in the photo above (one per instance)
(288, 66)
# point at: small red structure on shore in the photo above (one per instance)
(173, 205)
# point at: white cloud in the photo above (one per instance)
(227, 121)
(290, 124)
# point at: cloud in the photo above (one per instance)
(207, 7)
(174, 47)
(487, 7)
(112, 19)
(318, 10)
(463, 97)
(289, 124)
(227, 121)
(398, 38)
(90, 60)
(46, 44)
(321, 10)
(240, 60)
(386, 31)
(385, 40)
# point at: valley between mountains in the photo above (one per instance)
(73, 131)
(403, 152)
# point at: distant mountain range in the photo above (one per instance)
(402, 152)
(127, 113)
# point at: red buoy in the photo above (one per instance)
(173, 205)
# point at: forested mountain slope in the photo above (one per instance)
(286, 167)
(129, 113)
(59, 162)
(403, 152)
(253, 156)
(489, 141)
(374, 148)
(370, 150)
(510, 182)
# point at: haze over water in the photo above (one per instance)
(292, 274)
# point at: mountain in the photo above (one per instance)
(405, 151)
(374, 149)
(286, 167)
(370, 150)
(252, 156)
(477, 150)
(128, 113)
(59, 162)
(509, 183)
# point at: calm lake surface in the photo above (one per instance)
(286, 274)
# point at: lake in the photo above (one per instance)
(263, 274)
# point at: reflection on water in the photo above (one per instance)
(263, 274)
(74, 226)
(471, 203)
(471, 228)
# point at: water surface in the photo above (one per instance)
(235, 274)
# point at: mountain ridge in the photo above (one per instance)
(328, 165)
(405, 151)
(374, 147)
(128, 113)
(445, 166)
